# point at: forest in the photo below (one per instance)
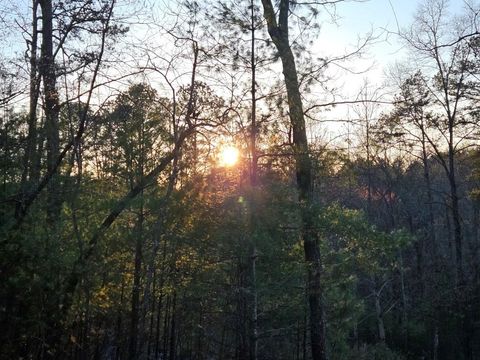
(211, 179)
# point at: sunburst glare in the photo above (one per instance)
(228, 156)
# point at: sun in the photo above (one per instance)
(228, 155)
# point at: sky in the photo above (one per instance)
(385, 18)
(354, 20)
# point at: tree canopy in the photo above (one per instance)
(170, 188)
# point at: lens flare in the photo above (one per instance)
(229, 156)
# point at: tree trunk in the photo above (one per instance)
(428, 184)
(29, 173)
(475, 240)
(242, 334)
(279, 36)
(435, 344)
(457, 229)
(173, 335)
(379, 315)
(158, 321)
(448, 228)
(253, 184)
(53, 205)
(135, 310)
(254, 340)
(52, 108)
(404, 299)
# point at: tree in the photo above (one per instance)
(278, 30)
(84, 15)
(452, 77)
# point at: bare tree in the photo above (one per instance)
(434, 39)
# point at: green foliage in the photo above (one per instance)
(375, 352)
(201, 247)
(352, 249)
(359, 243)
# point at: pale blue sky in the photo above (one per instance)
(384, 17)
(359, 15)
(355, 19)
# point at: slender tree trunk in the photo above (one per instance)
(158, 321)
(166, 322)
(196, 337)
(253, 132)
(46, 71)
(28, 174)
(428, 184)
(254, 341)
(457, 228)
(435, 344)
(151, 320)
(448, 228)
(173, 330)
(133, 350)
(222, 344)
(476, 240)
(297, 342)
(37, 159)
(118, 325)
(279, 35)
(253, 184)
(356, 343)
(304, 340)
(52, 108)
(404, 300)
(160, 300)
(379, 315)
(242, 334)
(369, 170)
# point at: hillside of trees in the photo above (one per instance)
(168, 190)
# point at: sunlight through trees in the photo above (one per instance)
(209, 180)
